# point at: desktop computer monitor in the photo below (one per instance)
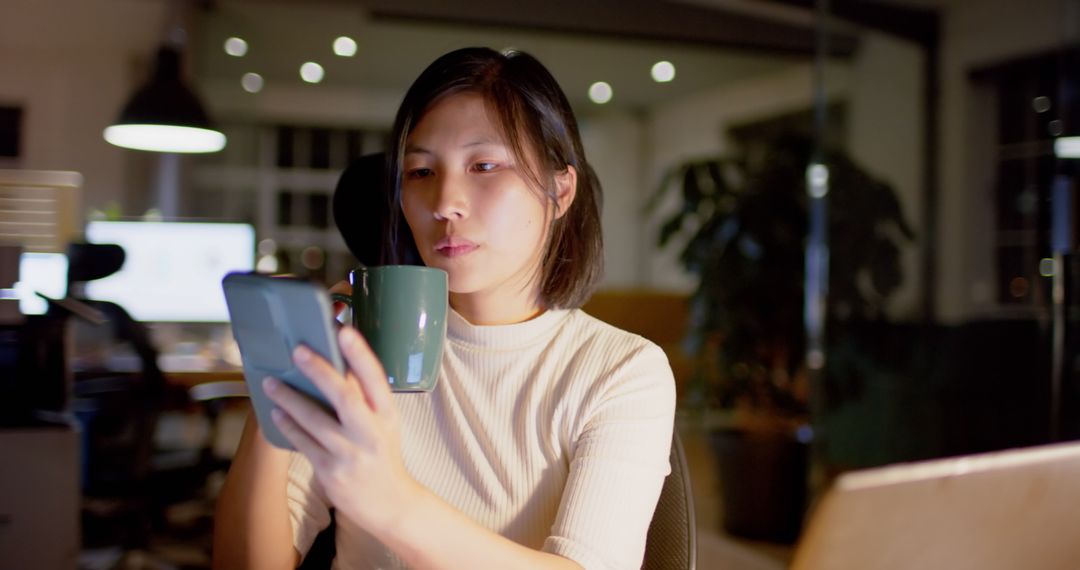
(172, 270)
(44, 273)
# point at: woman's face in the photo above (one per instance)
(470, 208)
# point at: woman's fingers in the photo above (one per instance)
(367, 368)
(304, 414)
(344, 395)
(296, 435)
(342, 287)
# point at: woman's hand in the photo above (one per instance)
(357, 457)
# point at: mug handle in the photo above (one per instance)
(339, 298)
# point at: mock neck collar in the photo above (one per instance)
(461, 331)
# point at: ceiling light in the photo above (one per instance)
(236, 47)
(600, 92)
(164, 115)
(165, 138)
(663, 71)
(345, 46)
(311, 72)
(1067, 147)
(252, 82)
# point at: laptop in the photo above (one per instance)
(1009, 510)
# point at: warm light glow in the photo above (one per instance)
(1018, 287)
(312, 257)
(311, 72)
(663, 71)
(1067, 147)
(165, 138)
(345, 46)
(600, 92)
(252, 82)
(236, 47)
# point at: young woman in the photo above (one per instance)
(545, 442)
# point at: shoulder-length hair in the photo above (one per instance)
(538, 125)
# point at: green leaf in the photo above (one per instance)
(670, 228)
(691, 189)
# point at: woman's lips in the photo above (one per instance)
(454, 247)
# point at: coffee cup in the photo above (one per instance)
(401, 311)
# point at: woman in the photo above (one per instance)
(545, 443)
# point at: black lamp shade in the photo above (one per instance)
(165, 100)
(165, 115)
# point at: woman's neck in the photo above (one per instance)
(483, 309)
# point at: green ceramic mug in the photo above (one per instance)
(401, 311)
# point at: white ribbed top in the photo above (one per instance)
(554, 433)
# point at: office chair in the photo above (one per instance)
(128, 481)
(672, 539)
(118, 409)
(361, 207)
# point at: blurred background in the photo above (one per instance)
(849, 223)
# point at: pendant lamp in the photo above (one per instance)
(164, 115)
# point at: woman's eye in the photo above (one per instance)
(485, 166)
(418, 172)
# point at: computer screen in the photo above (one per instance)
(44, 273)
(172, 270)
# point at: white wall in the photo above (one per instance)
(885, 136)
(71, 64)
(613, 145)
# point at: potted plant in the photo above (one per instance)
(744, 220)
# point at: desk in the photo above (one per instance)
(189, 378)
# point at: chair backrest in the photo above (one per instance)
(119, 409)
(361, 206)
(672, 540)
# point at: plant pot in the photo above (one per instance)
(763, 483)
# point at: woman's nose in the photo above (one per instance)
(450, 200)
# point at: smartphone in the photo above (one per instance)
(270, 317)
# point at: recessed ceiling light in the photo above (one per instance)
(663, 71)
(252, 82)
(236, 47)
(345, 46)
(600, 92)
(311, 72)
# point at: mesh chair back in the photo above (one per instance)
(672, 540)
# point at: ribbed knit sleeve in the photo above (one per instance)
(309, 510)
(618, 462)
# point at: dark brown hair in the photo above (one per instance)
(538, 125)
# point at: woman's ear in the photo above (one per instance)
(565, 190)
